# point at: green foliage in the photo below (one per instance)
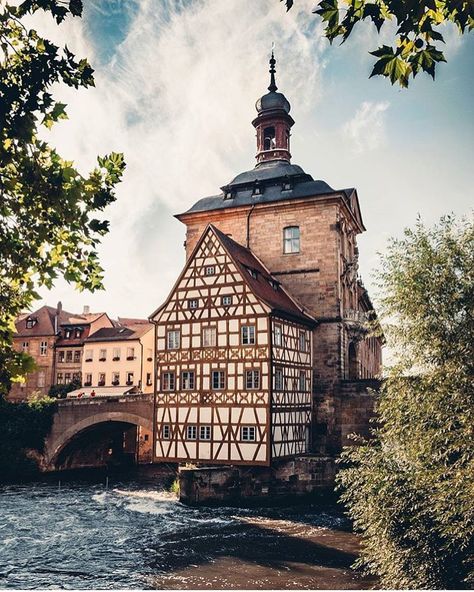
(48, 224)
(410, 490)
(175, 487)
(60, 391)
(23, 427)
(417, 41)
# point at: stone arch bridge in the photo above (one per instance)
(85, 432)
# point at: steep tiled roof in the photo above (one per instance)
(261, 282)
(120, 333)
(45, 322)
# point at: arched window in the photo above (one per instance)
(352, 362)
(291, 239)
(269, 138)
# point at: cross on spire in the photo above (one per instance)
(273, 86)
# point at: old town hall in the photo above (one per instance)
(263, 347)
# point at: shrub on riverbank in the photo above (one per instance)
(23, 428)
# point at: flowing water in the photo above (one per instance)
(82, 535)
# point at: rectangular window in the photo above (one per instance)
(191, 432)
(30, 323)
(59, 378)
(67, 378)
(247, 433)
(277, 335)
(60, 356)
(278, 379)
(193, 303)
(88, 355)
(252, 379)
(130, 378)
(41, 378)
(166, 431)
(148, 379)
(187, 380)
(205, 432)
(69, 356)
(302, 341)
(76, 377)
(77, 333)
(43, 348)
(210, 270)
(130, 353)
(102, 355)
(302, 381)
(25, 346)
(68, 333)
(116, 354)
(291, 239)
(209, 337)
(101, 379)
(226, 300)
(77, 356)
(88, 380)
(248, 334)
(173, 339)
(218, 380)
(168, 382)
(115, 378)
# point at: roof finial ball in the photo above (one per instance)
(273, 86)
(273, 123)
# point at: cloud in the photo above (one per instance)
(366, 130)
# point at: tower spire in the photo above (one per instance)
(273, 86)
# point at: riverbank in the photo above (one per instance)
(79, 534)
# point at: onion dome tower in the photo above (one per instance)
(273, 123)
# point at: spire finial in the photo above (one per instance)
(273, 86)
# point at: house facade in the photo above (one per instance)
(299, 236)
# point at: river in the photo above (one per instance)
(131, 535)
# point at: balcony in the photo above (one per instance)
(357, 322)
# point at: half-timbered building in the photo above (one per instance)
(233, 361)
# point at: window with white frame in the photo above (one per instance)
(59, 378)
(191, 432)
(77, 356)
(248, 335)
(43, 348)
(67, 378)
(69, 355)
(25, 345)
(210, 270)
(209, 337)
(187, 380)
(302, 381)
(193, 303)
(77, 333)
(88, 356)
(205, 432)
(68, 333)
(116, 354)
(278, 385)
(60, 356)
(168, 381)
(302, 341)
(247, 433)
(226, 300)
(291, 239)
(166, 431)
(252, 379)
(41, 378)
(277, 335)
(218, 380)
(30, 323)
(115, 378)
(173, 339)
(130, 353)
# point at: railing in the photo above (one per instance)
(356, 316)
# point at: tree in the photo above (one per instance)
(48, 226)
(60, 391)
(410, 489)
(417, 40)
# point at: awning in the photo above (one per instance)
(102, 391)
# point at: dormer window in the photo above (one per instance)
(274, 284)
(67, 333)
(287, 185)
(30, 323)
(269, 141)
(253, 272)
(229, 195)
(77, 333)
(257, 190)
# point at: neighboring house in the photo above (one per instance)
(220, 398)
(119, 358)
(36, 335)
(234, 362)
(70, 344)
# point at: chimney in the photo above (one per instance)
(59, 308)
(86, 310)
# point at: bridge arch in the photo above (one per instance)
(55, 445)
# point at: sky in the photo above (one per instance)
(176, 85)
